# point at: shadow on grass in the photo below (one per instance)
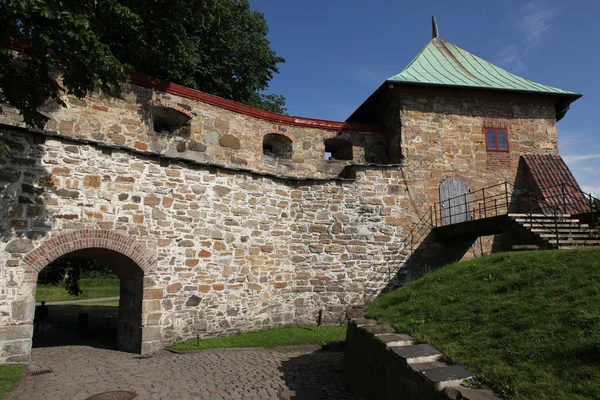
(316, 375)
(63, 329)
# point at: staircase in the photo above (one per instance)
(555, 232)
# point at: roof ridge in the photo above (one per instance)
(461, 66)
(451, 65)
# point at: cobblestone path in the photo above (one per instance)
(298, 372)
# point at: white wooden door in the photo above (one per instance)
(454, 198)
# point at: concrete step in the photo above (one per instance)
(569, 227)
(523, 215)
(568, 235)
(548, 222)
(566, 247)
(565, 230)
(583, 242)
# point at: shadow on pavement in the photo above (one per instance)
(316, 375)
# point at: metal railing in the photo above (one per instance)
(496, 200)
(405, 249)
(554, 201)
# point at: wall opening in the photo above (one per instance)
(338, 149)
(171, 121)
(277, 146)
(114, 323)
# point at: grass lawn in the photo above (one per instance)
(9, 376)
(528, 322)
(92, 289)
(285, 336)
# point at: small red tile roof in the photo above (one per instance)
(556, 182)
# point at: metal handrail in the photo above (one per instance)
(504, 198)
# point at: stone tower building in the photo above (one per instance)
(219, 217)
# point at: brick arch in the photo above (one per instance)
(69, 241)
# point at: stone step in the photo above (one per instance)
(520, 247)
(396, 339)
(451, 375)
(464, 393)
(428, 365)
(417, 353)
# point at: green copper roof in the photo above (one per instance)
(442, 63)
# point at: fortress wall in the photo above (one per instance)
(236, 250)
(215, 135)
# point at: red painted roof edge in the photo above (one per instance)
(172, 88)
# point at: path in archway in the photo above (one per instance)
(80, 371)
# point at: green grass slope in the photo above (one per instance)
(528, 323)
(285, 336)
(91, 289)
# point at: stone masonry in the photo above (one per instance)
(221, 237)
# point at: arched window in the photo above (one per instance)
(277, 146)
(169, 120)
(338, 149)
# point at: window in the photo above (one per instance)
(496, 139)
(169, 120)
(338, 149)
(277, 146)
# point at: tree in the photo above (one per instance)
(216, 46)
(69, 271)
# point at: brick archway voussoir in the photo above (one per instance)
(69, 241)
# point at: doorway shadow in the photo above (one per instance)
(316, 375)
(63, 327)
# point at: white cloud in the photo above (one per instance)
(593, 189)
(574, 158)
(534, 20)
(510, 56)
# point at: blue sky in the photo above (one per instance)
(339, 51)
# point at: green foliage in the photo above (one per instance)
(528, 322)
(9, 376)
(217, 46)
(286, 336)
(67, 273)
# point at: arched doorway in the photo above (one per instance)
(454, 199)
(129, 259)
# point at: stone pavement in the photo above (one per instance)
(297, 372)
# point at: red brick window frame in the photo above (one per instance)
(496, 139)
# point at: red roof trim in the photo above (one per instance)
(172, 88)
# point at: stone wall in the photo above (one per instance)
(235, 250)
(240, 240)
(380, 364)
(442, 136)
(213, 135)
